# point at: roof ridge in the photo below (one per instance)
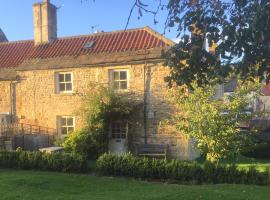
(101, 33)
(16, 41)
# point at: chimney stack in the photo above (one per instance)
(45, 22)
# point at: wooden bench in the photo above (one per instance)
(152, 150)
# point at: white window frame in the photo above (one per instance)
(112, 79)
(59, 122)
(121, 123)
(58, 82)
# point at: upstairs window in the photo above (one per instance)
(65, 82)
(119, 80)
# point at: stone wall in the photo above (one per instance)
(4, 97)
(38, 103)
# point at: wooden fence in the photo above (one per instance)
(10, 130)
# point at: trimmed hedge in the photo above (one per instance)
(178, 171)
(42, 161)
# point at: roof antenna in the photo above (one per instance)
(94, 28)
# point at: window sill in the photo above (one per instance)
(122, 91)
(65, 93)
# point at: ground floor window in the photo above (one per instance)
(66, 124)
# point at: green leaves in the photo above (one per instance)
(215, 122)
(101, 107)
(241, 30)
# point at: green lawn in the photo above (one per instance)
(259, 164)
(55, 186)
(245, 163)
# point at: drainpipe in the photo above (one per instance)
(145, 104)
(12, 93)
(11, 101)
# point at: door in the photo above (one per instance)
(118, 138)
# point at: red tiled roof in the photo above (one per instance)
(12, 54)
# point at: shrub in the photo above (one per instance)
(179, 171)
(86, 142)
(101, 106)
(42, 161)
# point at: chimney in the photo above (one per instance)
(3, 37)
(45, 22)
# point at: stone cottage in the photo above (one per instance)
(40, 80)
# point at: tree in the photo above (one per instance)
(239, 28)
(215, 123)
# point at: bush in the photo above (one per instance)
(42, 161)
(180, 171)
(100, 108)
(261, 151)
(88, 143)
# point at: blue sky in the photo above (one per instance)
(76, 17)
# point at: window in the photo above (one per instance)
(119, 130)
(66, 124)
(65, 82)
(119, 79)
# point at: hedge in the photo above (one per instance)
(178, 171)
(42, 161)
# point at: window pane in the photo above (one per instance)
(123, 85)
(70, 129)
(63, 121)
(68, 86)
(67, 77)
(116, 85)
(70, 121)
(116, 75)
(123, 136)
(123, 130)
(62, 87)
(123, 75)
(64, 131)
(61, 77)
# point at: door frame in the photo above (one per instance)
(126, 137)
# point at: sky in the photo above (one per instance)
(77, 17)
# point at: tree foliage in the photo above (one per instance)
(240, 28)
(215, 122)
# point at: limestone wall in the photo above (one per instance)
(4, 97)
(38, 103)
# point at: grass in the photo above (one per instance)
(260, 165)
(30, 185)
(245, 162)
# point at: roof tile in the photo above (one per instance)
(12, 54)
